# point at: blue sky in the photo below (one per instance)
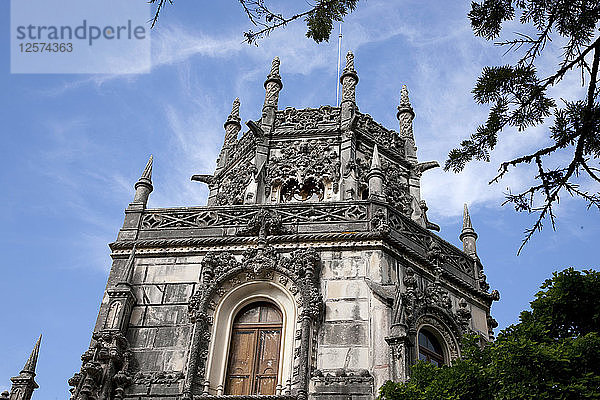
(74, 145)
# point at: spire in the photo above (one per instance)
(143, 187)
(375, 161)
(234, 117)
(404, 100)
(466, 219)
(468, 235)
(32, 360)
(274, 74)
(349, 68)
(273, 86)
(349, 80)
(375, 176)
(232, 128)
(405, 117)
(147, 173)
(24, 384)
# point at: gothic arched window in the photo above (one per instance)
(430, 349)
(254, 350)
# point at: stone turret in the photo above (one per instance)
(468, 236)
(24, 384)
(143, 187)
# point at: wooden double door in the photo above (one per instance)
(254, 350)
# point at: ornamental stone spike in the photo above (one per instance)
(273, 86)
(349, 80)
(375, 176)
(468, 236)
(405, 117)
(143, 187)
(375, 161)
(232, 124)
(24, 384)
(32, 360)
(349, 62)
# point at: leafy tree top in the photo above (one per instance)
(552, 353)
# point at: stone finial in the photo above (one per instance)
(147, 173)
(375, 160)
(274, 68)
(404, 106)
(404, 100)
(349, 80)
(273, 85)
(349, 62)
(375, 176)
(468, 235)
(466, 219)
(24, 384)
(143, 187)
(235, 108)
(32, 360)
(234, 117)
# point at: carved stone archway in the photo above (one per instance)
(222, 272)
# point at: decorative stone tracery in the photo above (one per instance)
(304, 168)
(222, 272)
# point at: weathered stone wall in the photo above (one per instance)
(159, 331)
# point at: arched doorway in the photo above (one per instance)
(254, 349)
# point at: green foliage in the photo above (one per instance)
(320, 20)
(552, 353)
(518, 98)
(319, 17)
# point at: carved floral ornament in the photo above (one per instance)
(431, 303)
(105, 368)
(305, 161)
(308, 118)
(222, 272)
(232, 185)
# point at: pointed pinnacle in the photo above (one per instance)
(234, 117)
(375, 161)
(32, 360)
(466, 219)
(235, 108)
(147, 174)
(129, 266)
(349, 62)
(274, 68)
(404, 100)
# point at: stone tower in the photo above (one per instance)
(312, 272)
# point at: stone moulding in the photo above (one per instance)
(371, 221)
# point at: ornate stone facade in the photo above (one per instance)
(316, 211)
